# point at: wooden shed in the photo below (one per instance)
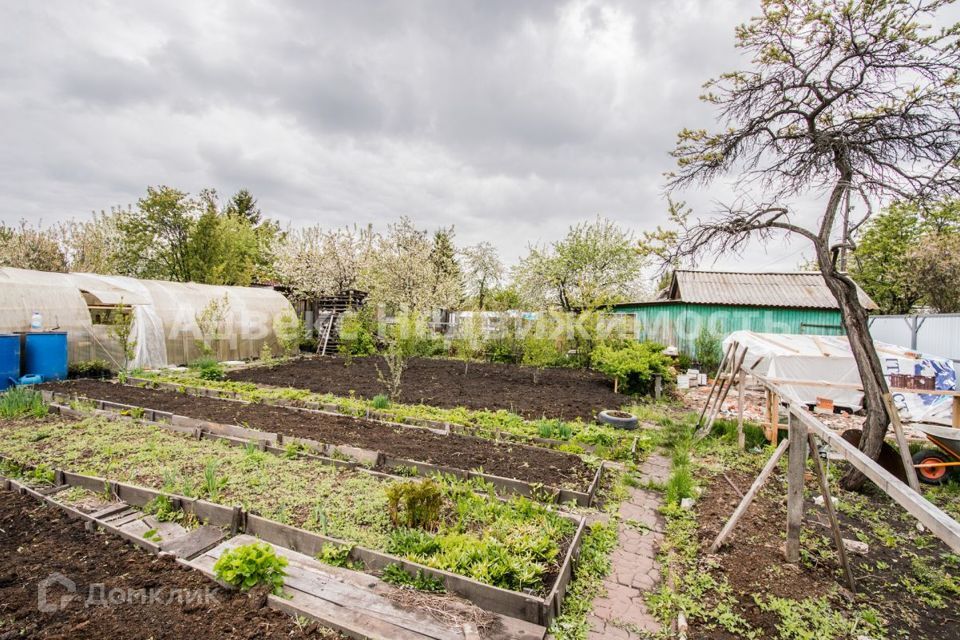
(726, 301)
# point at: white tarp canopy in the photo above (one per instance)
(829, 359)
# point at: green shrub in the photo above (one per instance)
(634, 365)
(22, 402)
(89, 369)
(415, 504)
(250, 565)
(504, 345)
(358, 333)
(708, 350)
(380, 401)
(208, 368)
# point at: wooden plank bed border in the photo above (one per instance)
(503, 601)
(330, 408)
(242, 436)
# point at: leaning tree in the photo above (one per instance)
(842, 99)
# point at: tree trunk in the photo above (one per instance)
(871, 371)
(855, 321)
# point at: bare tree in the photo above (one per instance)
(851, 99)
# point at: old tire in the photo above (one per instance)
(618, 419)
(931, 475)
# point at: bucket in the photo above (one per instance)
(9, 359)
(44, 354)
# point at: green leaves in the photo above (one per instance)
(22, 402)
(250, 565)
(634, 365)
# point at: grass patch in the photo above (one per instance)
(22, 402)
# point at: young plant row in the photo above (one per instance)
(604, 442)
(442, 523)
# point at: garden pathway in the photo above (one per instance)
(622, 614)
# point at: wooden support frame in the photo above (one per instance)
(894, 414)
(796, 466)
(749, 497)
(716, 383)
(831, 514)
(931, 516)
(741, 399)
(725, 383)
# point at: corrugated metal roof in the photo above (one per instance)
(802, 289)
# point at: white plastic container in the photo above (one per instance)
(36, 322)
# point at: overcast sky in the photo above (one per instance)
(509, 119)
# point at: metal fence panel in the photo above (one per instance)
(937, 334)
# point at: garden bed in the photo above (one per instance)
(528, 464)
(566, 394)
(907, 581)
(38, 541)
(511, 545)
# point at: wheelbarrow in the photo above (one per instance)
(934, 466)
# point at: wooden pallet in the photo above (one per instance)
(358, 604)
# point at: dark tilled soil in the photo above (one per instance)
(529, 464)
(37, 541)
(557, 393)
(752, 561)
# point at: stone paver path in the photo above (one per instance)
(622, 613)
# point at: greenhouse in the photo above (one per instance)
(172, 321)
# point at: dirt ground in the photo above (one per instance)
(37, 541)
(557, 393)
(511, 460)
(753, 563)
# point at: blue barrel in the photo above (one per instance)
(45, 354)
(9, 359)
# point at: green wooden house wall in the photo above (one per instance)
(679, 323)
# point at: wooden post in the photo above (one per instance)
(741, 392)
(750, 495)
(774, 417)
(956, 412)
(796, 465)
(831, 514)
(767, 413)
(902, 444)
(657, 387)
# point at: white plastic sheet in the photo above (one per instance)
(829, 359)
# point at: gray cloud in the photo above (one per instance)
(510, 120)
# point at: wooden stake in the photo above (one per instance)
(716, 382)
(748, 498)
(796, 465)
(741, 392)
(735, 368)
(902, 444)
(831, 514)
(774, 416)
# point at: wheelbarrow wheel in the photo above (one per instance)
(931, 475)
